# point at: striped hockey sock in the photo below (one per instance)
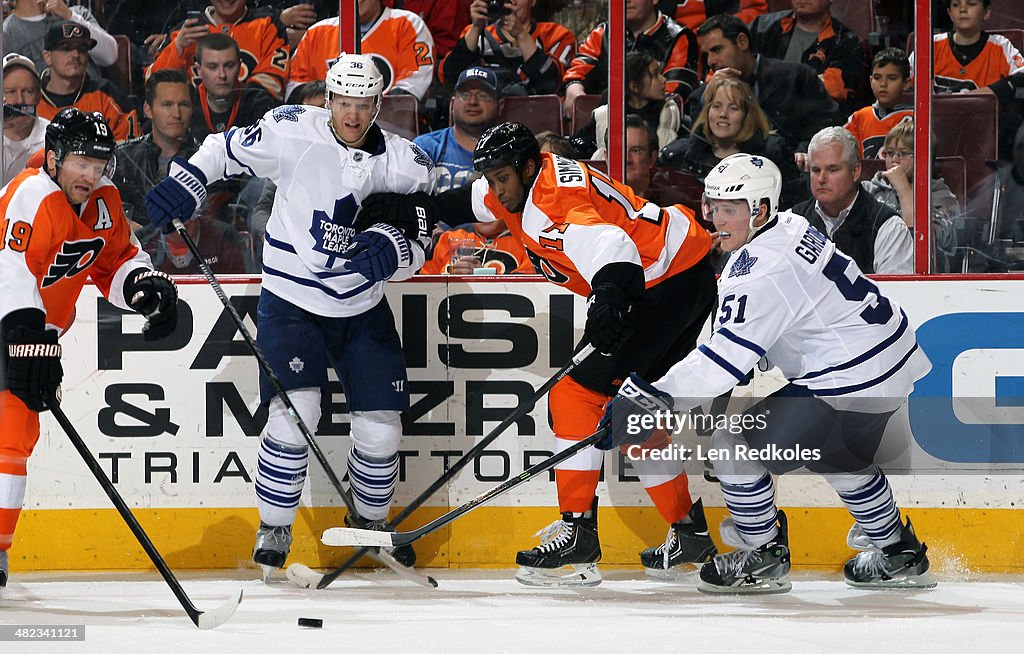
(280, 475)
(373, 482)
(871, 504)
(753, 509)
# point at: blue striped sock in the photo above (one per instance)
(753, 510)
(373, 483)
(874, 508)
(280, 475)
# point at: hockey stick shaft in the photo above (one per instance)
(340, 536)
(267, 371)
(456, 467)
(140, 534)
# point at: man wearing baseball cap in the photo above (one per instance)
(67, 84)
(24, 132)
(25, 31)
(474, 108)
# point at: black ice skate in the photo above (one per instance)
(567, 555)
(898, 566)
(271, 549)
(3, 569)
(403, 554)
(687, 542)
(762, 569)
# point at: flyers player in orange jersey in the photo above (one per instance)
(59, 226)
(651, 288)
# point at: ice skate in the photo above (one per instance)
(4, 571)
(687, 542)
(898, 566)
(271, 549)
(567, 555)
(403, 554)
(762, 569)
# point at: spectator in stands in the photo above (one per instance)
(890, 79)
(475, 106)
(1006, 253)
(692, 14)
(260, 38)
(491, 246)
(647, 29)
(444, 18)
(66, 84)
(809, 34)
(143, 162)
(731, 121)
(26, 29)
(792, 96)
(641, 154)
(314, 94)
(220, 99)
(556, 143)
(645, 97)
(894, 187)
(223, 249)
(398, 40)
(970, 60)
(529, 57)
(863, 228)
(24, 131)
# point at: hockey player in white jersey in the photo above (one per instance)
(851, 359)
(324, 267)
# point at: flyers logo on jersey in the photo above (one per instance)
(74, 257)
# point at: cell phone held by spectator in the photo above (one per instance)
(197, 15)
(496, 10)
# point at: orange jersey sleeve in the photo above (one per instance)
(871, 124)
(318, 46)
(587, 57)
(577, 220)
(504, 254)
(403, 49)
(48, 251)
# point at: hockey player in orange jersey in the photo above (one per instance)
(651, 288)
(59, 226)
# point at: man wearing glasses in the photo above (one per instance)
(863, 228)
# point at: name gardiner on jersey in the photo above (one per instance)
(811, 245)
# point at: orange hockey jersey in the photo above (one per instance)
(692, 13)
(871, 124)
(398, 41)
(47, 250)
(504, 254)
(95, 95)
(998, 60)
(577, 220)
(261, 40)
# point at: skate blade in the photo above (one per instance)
(684, 572)
(762, 587)
(582, 575)
(266, 571)
(909, 582)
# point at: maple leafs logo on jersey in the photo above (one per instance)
(742, 265)
(420, 157)
(289, 112)
(331, 234)
(74, 257)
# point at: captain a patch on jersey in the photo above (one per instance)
(331, 234)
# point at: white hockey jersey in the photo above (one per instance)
(320, 186)
(790, 296)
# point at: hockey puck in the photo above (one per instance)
(315, 623)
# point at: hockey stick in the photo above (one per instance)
(326, 580)
(201, 619)
(347, 536)
(267, 371)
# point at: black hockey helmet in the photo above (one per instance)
(73, 131)
(506, 144)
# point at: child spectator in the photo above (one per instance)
(890, 79)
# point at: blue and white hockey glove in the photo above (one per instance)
(177, 195)
(154, 295)
(378, 253)
(634, 414)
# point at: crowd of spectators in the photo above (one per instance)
(795, 85)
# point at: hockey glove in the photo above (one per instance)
(636, 412)
(33, 358)
(611, 306)
(154, 295)
(177, 195)
(414, 214)
(378, 252)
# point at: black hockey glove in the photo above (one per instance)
(33, 358)
(634, 414)
(154, 295)
(378, 252)
(414, 214)
(611, 306)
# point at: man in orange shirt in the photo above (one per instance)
(650, 289)
(61, 225)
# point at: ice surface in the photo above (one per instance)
(487, 611)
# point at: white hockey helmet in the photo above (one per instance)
(355, 76)
(747, 177)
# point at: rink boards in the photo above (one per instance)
(176, 425)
